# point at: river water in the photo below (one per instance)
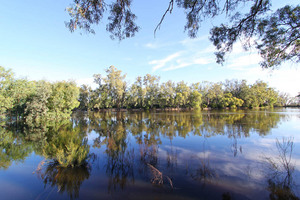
(244, 154)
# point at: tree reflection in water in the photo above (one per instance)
(202, 170)
(68, 161)
(144, 146)
(119, 157)
(13, 148)
(280, 171)
(66, 179)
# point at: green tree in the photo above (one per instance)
(85, 97)
(20, 90)
(116, 86)
(99, 97)
(36, 111)
(6, 101)
(182, 94)
(272, 97)
(195, 99)
(151, 85)
(214, 95)
(167, 94)
(63, 99)
(136, 94)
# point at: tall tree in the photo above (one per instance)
(85, 97)
(167, 94)
(116, 85)
(20, 90)
(6, 101)
(151, 85)
(136, 94)
(36, 111)
(182, 94)
(63, 99)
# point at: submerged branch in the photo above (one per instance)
(158, 176)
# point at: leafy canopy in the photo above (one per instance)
(274, 34)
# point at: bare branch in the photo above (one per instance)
(170, 9)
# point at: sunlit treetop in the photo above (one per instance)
(274, 34)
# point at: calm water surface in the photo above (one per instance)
(156, 155)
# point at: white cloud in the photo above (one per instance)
(151, 45)
(210, 49)
(158, 44)
(86, 81)
(173, 67)
(284, 79)
(161, 63)
(188, 62)
(192, 54)
(239, 62)
(193, 41)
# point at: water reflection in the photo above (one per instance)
(12, 148)
(65, 179)
(67, 146)
(176, 151)
(280, 171)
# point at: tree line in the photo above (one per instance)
(113, 91)
(37, 103)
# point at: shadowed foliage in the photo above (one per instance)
(274, 33)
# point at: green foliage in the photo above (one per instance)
(116, 86)
(275, 34)
(147, 93)
(38, 104)
(36, 111)
(110, 91)
(280, 35)
(35, 104)
(84, 97)
(63, 99)
(151, 85)
(229, 101)
(195, 99)
(6, 101)
(121, 23)
(12, 148)
(167, 94)
(67, 147)
(182, 94)
(20, 90)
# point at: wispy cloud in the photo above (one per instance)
(162, 62)
(188, 62)
(240, 61)
(159, 44)
(191, 54)
(193, 41)
(151, 45)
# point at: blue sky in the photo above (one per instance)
(35, 43)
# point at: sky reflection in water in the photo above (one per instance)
(163, 155)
